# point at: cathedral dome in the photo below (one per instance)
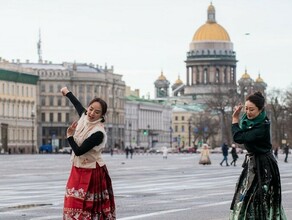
(162, 77)
(211, 30)
(178, 81)
(259, 79)
(245, 75)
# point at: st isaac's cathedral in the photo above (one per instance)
(210, 67)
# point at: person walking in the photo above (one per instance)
(205, 158)
(225, 154)
(164, 152)
(286, 152)
(89, 194)
(276, 151)
(234, 154)
(258, 190)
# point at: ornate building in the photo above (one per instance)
(54, 113)
(17, 112)
(211, 61)
(161, 87)
(247, 85)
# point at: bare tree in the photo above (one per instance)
(223, 103)
(206, 127)
(276, 108)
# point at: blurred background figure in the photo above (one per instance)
(286, 152)
(234, 154)
(164, 152)
(205, 159)
(276, 152)
(225, 154)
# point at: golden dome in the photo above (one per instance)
(178, 81)
(161, 77)
(259, 79)
(211, 31)
(245, 75)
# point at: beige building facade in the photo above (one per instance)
(18, 92)
(54, 113)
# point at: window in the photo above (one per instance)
(182, 118)
(43, 117)
(59, 101)
(51, 100)
(51, 117)
(67, 117)
(43, 101)
(176, 118)
(51, 88)
(43, 88)
(59, 117)
(183, 128)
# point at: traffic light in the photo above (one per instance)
(145, 132)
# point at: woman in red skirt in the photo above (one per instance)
(89, 194)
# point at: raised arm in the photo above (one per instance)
(78, 106)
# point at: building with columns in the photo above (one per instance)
(54, 113)
(211, 61)
(18, 95)
(148, 123)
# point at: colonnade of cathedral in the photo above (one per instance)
(200, 74)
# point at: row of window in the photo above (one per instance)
(10, 109)
(19, 90)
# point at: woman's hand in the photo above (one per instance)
(236, 113)
(64, 91)
(71, 129)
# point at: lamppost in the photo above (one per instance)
(32, 131)
(130, 136)
(189, 132)
(170, 140)
(148, 126)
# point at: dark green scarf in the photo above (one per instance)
(246, 123)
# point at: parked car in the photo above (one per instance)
(46, 148)
(65, 150)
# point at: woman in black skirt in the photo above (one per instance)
(258, 190)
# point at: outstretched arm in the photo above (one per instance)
(78, 106)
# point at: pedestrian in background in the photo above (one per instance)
(286, 152)
(233, 154)
(164, 152)
(225, 154)
(276, 151)
(89, 193)
(258, 190)
(205, 158)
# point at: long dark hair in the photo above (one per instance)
(103, 107)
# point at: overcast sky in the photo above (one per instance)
(142, 37)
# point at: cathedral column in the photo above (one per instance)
(188, 75)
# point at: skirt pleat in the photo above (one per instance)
(89, 195)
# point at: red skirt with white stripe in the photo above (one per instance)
(89, 195)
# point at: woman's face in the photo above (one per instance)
(94, 111)
(252, 111)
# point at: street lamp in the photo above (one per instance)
(130, 136)
(148, 126)
(32, 131)
(170, 140)
(189, 132)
